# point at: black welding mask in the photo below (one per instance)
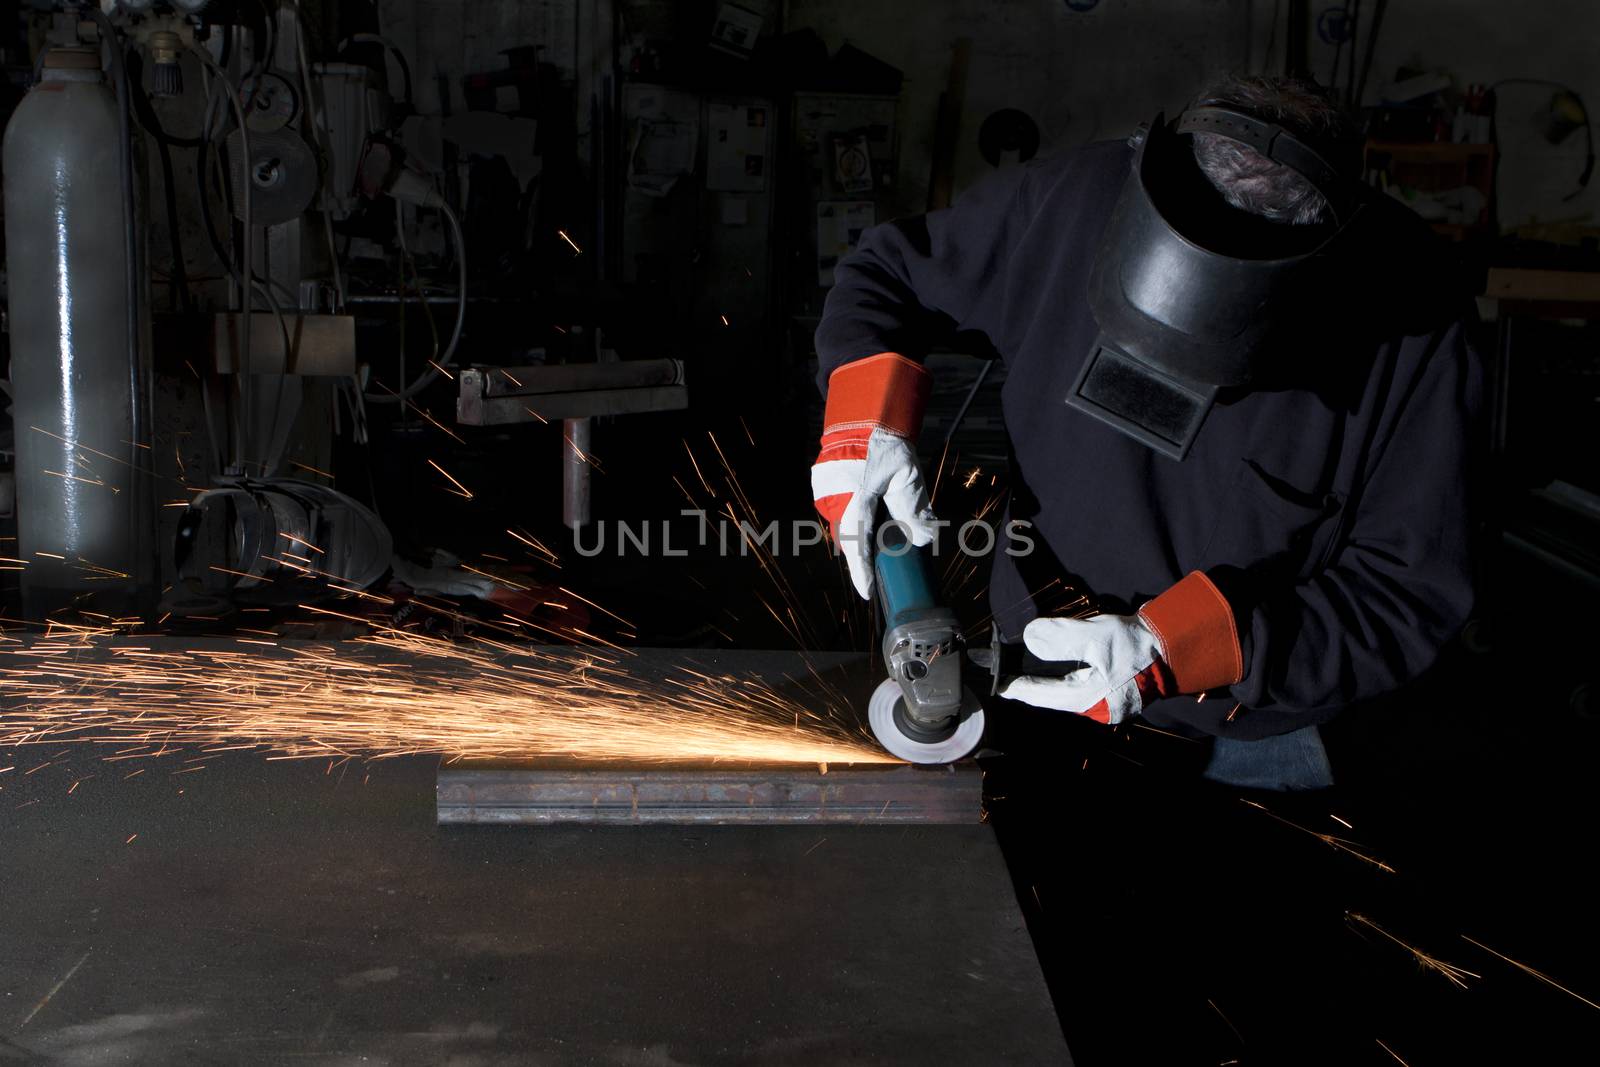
(1193, 296)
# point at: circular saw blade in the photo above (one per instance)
(880, 716)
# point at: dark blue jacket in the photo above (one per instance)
(1331, 507)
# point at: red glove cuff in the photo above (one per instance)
(1198, 637)
(886, 391)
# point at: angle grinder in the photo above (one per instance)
(923, 712)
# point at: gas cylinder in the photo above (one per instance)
(81, 501)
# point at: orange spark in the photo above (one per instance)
(398, 693)
(1391, 1052)
(1337, 843)
(1455, 975)
(1546, 979)
(460, 490)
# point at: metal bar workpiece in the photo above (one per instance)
(709, 795)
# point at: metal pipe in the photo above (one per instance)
(575, 435)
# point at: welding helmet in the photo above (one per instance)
(1190, 293)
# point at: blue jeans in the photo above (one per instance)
(1293, 761)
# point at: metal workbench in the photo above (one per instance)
(288, 911)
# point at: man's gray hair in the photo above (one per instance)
(1252, 182)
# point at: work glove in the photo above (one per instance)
(1183, 641)
(869, 456)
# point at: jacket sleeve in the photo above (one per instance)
(1399, 585)
(914, 282)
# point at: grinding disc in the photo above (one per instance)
(880, 716)
(282, 172)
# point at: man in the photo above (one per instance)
(1240, 407)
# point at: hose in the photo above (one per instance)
(303, 57)
(447, 359)
(242, 425)
(399, 58)
(152, 125)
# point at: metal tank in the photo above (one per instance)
(81, 504)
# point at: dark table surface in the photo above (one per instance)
(312, 913)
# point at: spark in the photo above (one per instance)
(106, 572)
(240, 574)
(938, 472)
(58, 986)
(436, 424)
(533, 543)
(724, 319)
(313, 470)
(441, 370)
(511, 378)
(460, 490)
(1225, 1019)
(1546, 979)
(79, 446)
(1168, 733)
(1391, 1052)
(301, 542)
(972, 476)
(1454, 975)
(494, 577)
(697, 472)
(563, 235)
(1338, 843)
(587, 457)
(75, 478)
(592, 604)
(1340, 821)
(396, 693)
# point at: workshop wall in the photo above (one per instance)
(454, 37)
(1082, 75)
(1484, 41)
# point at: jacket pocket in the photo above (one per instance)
(1267, 522)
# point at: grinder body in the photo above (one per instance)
(922, 712)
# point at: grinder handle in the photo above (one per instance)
(1010, 660)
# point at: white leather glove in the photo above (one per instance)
(886, 471)
(1183, 641)
(867, 458)
(1122, 667)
